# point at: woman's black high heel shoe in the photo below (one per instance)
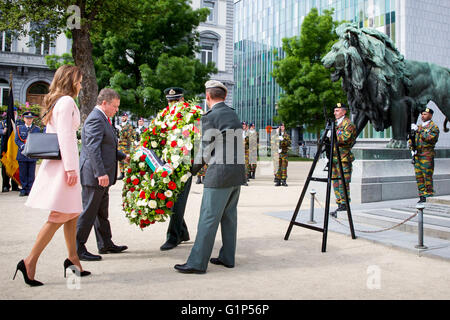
(28, 281)
(68, 263)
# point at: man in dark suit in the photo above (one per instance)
(98, 171)
(27, 166)
(222, 150)
(177, 230)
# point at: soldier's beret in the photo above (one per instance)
(340, 105)
(243, 122)
(174, 93)
(124, 114)
(215, 84)
(29, 114)
(428, 110)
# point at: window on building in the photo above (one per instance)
(207, 53)
(39, 45)
(209, 43)
(36, 92)
(6, 40)
(4, 91)
(210, 4)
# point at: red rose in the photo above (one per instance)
(145, 144)
(132, 189)
(159, 211)
(154, 131)
(145, 130)
(129, 170)
(161, 196)
(173, 144)
(142, 158)
(128, 180)
(164, 174)
(140, 212)
(174, 127)
(152, 222)
(163, 142)
(142, 195)
(151, 176)
(169, 204)
(179, 115)
(142, 173)
(152, 195)
(136, 182)
(172, 185)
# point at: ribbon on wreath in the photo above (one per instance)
(154, 162)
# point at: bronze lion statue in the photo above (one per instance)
(382, 87)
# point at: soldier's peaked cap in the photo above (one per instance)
(174, 93)
(29, 114)
(215, 84)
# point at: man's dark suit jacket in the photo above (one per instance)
(221, 139)
(99, 153)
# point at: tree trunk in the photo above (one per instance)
(82, 55)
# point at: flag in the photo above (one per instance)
(10, 149)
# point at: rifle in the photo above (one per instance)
(411, 134)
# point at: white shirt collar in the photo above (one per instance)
(426, 123)
(339, 121)
(98, 107)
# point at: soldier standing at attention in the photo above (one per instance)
(346, 137)
(253, 139)
(282, 144)
(27, 166)
(127, 136)
(426, 137)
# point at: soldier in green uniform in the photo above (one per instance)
(127, 136)
(281, 142)
(253, 139)
(177, 231)
(426, 137)
(346, 137)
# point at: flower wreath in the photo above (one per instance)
(161, 165)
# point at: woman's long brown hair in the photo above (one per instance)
(64, 84)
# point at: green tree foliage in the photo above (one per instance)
(55, 61)
(306, 83)
(158, 52)
(84, 19)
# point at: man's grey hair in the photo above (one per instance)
(108, 95)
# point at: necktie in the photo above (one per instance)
(109, 121)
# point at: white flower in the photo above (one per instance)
(175, 158)
(185, 177)
(168, 193)
(175, 164)
(163, 125)
(180, 142)
(142, 165)
(152, 204)
(158, 217)
(133, 178)
(166, 180)
(154, 144)
(152, 183)
(189, 146)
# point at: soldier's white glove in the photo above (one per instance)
(414, 127)
(329, 134)
(279, 150)
(281, 138)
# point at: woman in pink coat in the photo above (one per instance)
(57, 186)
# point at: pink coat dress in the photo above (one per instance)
(50, 189)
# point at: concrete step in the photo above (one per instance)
(436, 219)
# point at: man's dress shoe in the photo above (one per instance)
(184, 268)
(218, 262)
(87, 256)
(168, 246)
(113, 249)
(5, 189)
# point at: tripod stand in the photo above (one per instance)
(329, 127)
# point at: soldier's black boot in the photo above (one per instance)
(283, 183)
(422, 199)
(278, 183)
(199, 180)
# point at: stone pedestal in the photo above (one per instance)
(381, 174)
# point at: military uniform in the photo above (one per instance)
(280, 146)
(425, 139)
(201, 174)
(27, 166)
(346, 136)
(127, 136)
(7, 182)
(253, 138)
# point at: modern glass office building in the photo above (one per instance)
(260, 26)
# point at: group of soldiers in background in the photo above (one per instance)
(251, 145)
